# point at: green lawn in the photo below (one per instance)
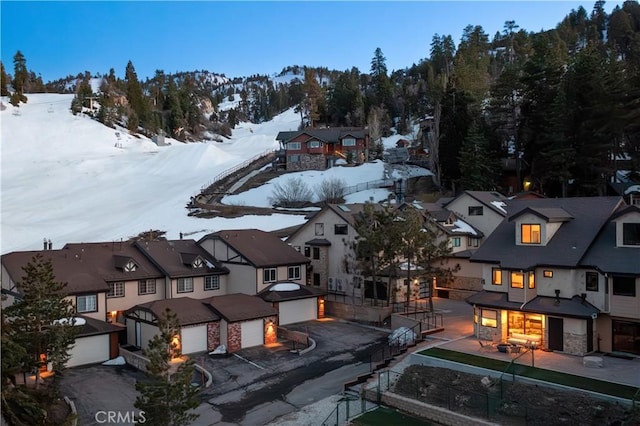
(383, 416)
(613, 389)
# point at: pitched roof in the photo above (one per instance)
(550, 214)
(189, 311)
(328, 135)
(574, 307)
(260, 248)
(78, 274)
(605, 256)
(567, 247)
(94, 327)
(282, 291)
(493, 200)
(175, 258)
(241, 307)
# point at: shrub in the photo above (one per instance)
(292, 193)
(331, 190)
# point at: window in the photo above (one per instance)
(88, 303)
(624, 286)
(293, 158)
(591, 281)
(530, 233)
(293, 272)
(185, 285)
(294, 146)
(270, 275)
(496, 276)
(212, 282)
(455, 242)
(517, 280)
(348, 142)
(340, 229)
(316, 280)
(472, 242)
(475, 211)
(547, 274)
(532, 279)
(198, 263)
(147, 286)
(316, 253)
(489, 318)
(631, 234)
(319, 228)
(116, 289)
(307, 251)
(130, 266)
(314, 144)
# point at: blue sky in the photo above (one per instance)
(243, 38)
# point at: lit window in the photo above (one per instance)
(489, 318)
(547, 274)
(293, 272)
(116, 289)
(348, 142)
(147, 286)
(530, 233)
(532, 280)
(88, 303)
(212, 282)
(496, 276)
(185, 285)
(294, 146)
(517, 280)
(270, 275)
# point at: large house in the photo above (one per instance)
(319, 149)
(563, 273)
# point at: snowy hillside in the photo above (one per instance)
(70, 179)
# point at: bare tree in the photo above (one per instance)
(292, 193)
(331, 190)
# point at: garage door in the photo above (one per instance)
(194, 339)
(252, 333)
(89, 350)
(298, 311)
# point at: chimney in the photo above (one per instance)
(44, 242)
(50, 244)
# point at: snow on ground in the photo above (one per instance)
(69, 179)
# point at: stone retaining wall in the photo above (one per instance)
(134, 359)
(366, 313)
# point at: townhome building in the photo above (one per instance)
(562, 274)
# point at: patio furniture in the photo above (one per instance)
(531, 341)
(487, 346)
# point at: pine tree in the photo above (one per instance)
(42, 321)
(167, 397)
(20, 78)
(4, 81)
(477, 167)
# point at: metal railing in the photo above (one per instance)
(238, 167)
(381, 183)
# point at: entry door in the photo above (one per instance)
(113, 345)
(556, 336)
(589, 335)
(138, 335)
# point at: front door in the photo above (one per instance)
(113, 345)
(589, 335)
(556, 334)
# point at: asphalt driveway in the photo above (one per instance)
(251, 378)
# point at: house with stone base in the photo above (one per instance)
(564, 274)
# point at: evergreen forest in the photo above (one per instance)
(561, 106)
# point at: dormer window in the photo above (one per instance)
(197, 263)
(475, 211)
(130, 266)
(530, 233)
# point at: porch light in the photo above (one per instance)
(175, 351)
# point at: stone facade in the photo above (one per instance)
(308, 162)
(213, 335)
(575, 344)
(321, 266)
(234, 337)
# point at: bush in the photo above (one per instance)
(331, 190)
(293, 193)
